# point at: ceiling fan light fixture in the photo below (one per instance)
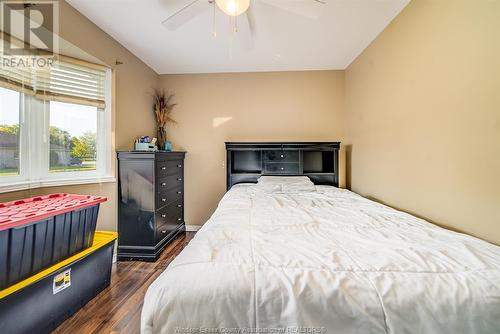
(233, 7)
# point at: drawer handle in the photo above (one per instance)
(282, 155)
(163, 168)
(179, 205)
(179, 219)
(179, 179)
(179, 192)
(282, 168)
(179, 166)
(163, 199)
(164, 231)
(163, 184)
(163, 215)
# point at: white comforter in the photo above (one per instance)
(327, 261)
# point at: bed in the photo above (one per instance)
(286, 255)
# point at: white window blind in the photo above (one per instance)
(65, 81)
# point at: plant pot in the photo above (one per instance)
(161, 136)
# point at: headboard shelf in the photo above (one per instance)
(247, 161)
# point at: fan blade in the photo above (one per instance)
(185, 14)
(308, 8)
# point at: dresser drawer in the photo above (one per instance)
(281, 156)
(168, 219)
(168, 167)
(169, 182)
(168, 196)
(281, 168)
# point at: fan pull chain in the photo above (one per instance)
(214, 28)
(232, 37)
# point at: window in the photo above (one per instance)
(72, 137)
(58, 130)
(9, 132)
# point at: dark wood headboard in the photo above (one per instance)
(246, 162)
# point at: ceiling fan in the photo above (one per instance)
(239, 10)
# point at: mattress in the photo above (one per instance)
(324, 261)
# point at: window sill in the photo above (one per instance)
(24, 185)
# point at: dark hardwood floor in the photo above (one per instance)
(118, 308)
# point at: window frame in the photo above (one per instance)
(34, 147)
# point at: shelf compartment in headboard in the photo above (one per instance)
(247, 161)
(318, 162)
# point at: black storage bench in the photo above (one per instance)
(38, 232)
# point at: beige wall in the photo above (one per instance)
(132, 108)
(423, 105)
(214, 108)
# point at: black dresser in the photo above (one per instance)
(150, 202)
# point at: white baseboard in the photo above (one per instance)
(192, 228)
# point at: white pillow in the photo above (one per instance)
(283, 179)
(285, 184)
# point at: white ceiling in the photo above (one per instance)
(282, 41)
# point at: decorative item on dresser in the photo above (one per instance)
(319, 161)
(150, 202)
(163, 107)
